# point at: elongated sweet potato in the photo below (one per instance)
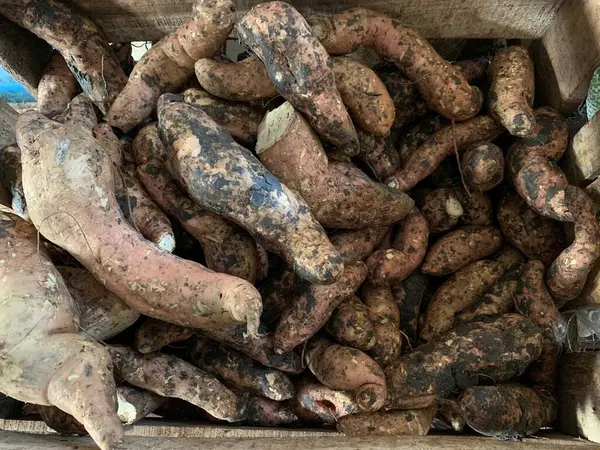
(456, 294)
(68, 179)
(442, 209)
(407, 252)
(80, 42)
(512, 87)
(443, 86)
(348, 369)
(227, 179)
(80, 112)
(11, 176)
(264, 412)
(416, 136)
(56, 88)
(152, 335)
(169, 63)
(240, 371)
(170, 376)
(507, 411)
(460, 247)
(445, 142)
(350, 325)
(482, 166)
(469, 354)
(44, 361)
(356, 245)
(312, 306)
(327, 404)
(408, 296)
(300, 68)
(413, 422)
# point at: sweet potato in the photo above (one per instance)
(536, 236)
(456, 294)
(356, 245)
(472, 69)
(152, 335)
(512, 87)
(44, 360)
(68, 179)
(135, 404)
(443, 143)
(348, 369)
(277, 293)
(338, 194)
(169, 63)
(104, 134)
(482, 166)
(413, 422)
(170, 376)
(11, 176)
(510, 258)
(61, 422)
(227, 179)
(240, 371)
(264, 412)
(80, 42)
(312, 306)
(300, 68)
(451, 415)
(377, 153)
(57, 87)
(408, 296)
(508, 411)
(442, 209)
(80, 112)
(460, 247)
(443, 86)
(240, 120)
(477, 207)
(329, 405)
(123, 53)
(416, 136)
(469, 354)
(350, 325)
(407, 252)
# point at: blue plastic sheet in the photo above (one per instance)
(11, 90)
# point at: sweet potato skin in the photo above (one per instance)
(264, 412)
(477, 207)
(324, 404)
(350, 325)
(408, 296)
(152, 335)
(356, 245)
(378, 155)
(482, 166)
(11, 176)
(413, 422)
(442, 209)
(57, 87)
(80, 112)
(415, 136)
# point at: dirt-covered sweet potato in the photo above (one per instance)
(169, 63)
(408, 249)
(239, 371)
(264, 412)
(56, 88)
(300, 68)
(450, 414)
(477, 207)
(11, 176)
(469, 354)
(104, 134)
(350, 325)
(61, 422)
(123, 53)
(378, 155)
(68, 180)
(456, 294)
(338, 194)
(81, 43)
(443, 143)
(473, 69)
(80, 112)
(508, 412)
(329, 405)
(512, 87)
(348, 369)
(312, 306)
(443, 86)
(408, 296)
(44, 361)
(223, 176)
(536, 236)
(169, 376)
(460, 247)
(482, 166)
(356, 245)
(416, 136)
(442, 209)
(277, 292)
(135, 404)
(152, 335)
(412, 422)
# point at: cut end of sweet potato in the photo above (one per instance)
(274, 126)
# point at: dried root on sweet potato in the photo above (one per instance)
(80, 113)
(226, 178)
(456, 294)
(458, 248)
(442, 209)
(264, 412)
(512, 87)
(350, 325)
(324, 404)
(152, 335)
(443, 86)
(507, 411)
(482, 166)
(57, 87)
(413, 422)
(356, 245)
(378, 155)
(348, 369)
(300, 68)
(169, 376)
(80, 42)
(11, 176)
(469, 354)
(169, 63)
(68, 180)
(339, 195)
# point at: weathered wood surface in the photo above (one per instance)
(582, 158)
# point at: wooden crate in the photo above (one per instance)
(564, 37)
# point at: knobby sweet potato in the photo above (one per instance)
(169, 63)
(413, 422)
(224, 177)
(442, 209)
(482, 166)
(11, 176)
(350, 325)
(378, 155)
(356, 245)
(329, 405)
(57, 87)
(152, 335)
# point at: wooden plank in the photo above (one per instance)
(582, 159)
(129, 20)
(568, 54)
(579, 395)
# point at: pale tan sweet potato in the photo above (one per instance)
(57, 87)
(11, 176)
(328, 405)
(168, 64)
(413, 422)
(80, 112)
(104, 134)
(350, 325)
(356, 245)
(442, 209)
(152, 335)
(482, 166)
(70, 196)
(226, 178)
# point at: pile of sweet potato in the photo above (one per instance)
(309, 241)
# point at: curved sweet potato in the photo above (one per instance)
(11, 176)
(350, 325)
(152, 335)
(356, 245)
(327, 404)
(169, 63)
(377, 153)
(482, 166)
(413, 422)
(57, 87)
(227, 179)
(442, 209)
